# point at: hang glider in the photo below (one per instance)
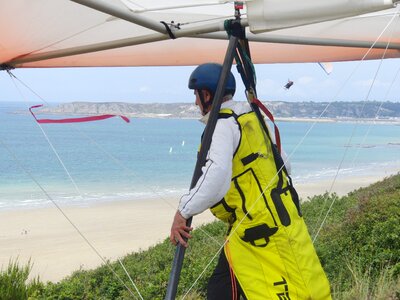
(289, 84)
(84, 33)
(76, 33)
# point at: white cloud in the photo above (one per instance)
(328, 83)
(269, 87)
(144, 89)
(268, 83)
(368, 82)
(304, 80)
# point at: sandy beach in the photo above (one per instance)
(115, 229)
(56, 248)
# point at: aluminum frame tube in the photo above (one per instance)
(201, 160)
(296, 40)
(155, 37)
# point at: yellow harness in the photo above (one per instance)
(269, 248)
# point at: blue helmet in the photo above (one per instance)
(206, 76)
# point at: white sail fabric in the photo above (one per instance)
(267, 15)
(44, 33)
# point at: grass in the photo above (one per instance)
(364, 286)
(14, 283)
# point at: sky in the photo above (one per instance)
(349, 81)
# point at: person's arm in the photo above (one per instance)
(214, 181)
(216, 173)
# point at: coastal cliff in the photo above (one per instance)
(389, 111)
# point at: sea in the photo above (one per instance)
(149, 158)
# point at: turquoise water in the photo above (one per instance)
(148, 158)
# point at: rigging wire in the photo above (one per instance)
(70, 177)
(204, 270)
(314, 123)
(379, 108)
(130, 278)
(237, 226)
(347, 148)
(151, 9)
(339, 90)
(68, 37)
(132, 173)
(50, 143)
(23, 168)
(207, 20)
(116, 160)
(377, 114)
(298, 145)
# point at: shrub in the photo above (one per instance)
(14, 282)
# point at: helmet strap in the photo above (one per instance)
(205, 105)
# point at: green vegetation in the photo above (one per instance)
(14, 285)
(359, 247)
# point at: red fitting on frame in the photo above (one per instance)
(238, 4)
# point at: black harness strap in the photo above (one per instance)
(246, 71)
(225, 115)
